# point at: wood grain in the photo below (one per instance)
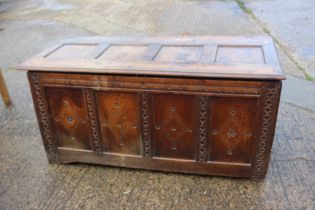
(216, 57)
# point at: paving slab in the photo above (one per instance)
(293, 23)
(299, 92)
(158, 17)
(22, 39)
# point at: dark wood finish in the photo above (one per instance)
(69, 117)
(232, 129)
(206, 125)
(174, 121)
(119, 115)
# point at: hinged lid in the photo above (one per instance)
(211, 57)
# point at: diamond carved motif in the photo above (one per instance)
(235, 135)
(68, 116)
(231, 133)
(173, 127)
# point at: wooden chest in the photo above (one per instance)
(204, 105)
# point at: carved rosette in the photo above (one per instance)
(43, 117)
(203, 128)
(90, 100)
(265, 133)
(146, 133)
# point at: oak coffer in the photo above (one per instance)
(204, 105)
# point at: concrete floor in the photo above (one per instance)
(293, 23)
(28, 182)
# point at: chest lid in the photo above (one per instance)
(209, 57)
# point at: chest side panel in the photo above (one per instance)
(232, 129)
(69, 117)
(174, 122)
(119, 120)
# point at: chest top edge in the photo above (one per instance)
(209, 57)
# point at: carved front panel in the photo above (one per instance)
(174, 118)
(69, 117)
(119, 116)
(232, 129)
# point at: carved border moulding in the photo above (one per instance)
(152, 86)
(43, 118)
(203, 128)
(264, 132)
(146, 132)
(90, 100)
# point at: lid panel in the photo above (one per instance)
(124, 52)
(240, 54)
(70, 51)
(179, 53)
(210, 57)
